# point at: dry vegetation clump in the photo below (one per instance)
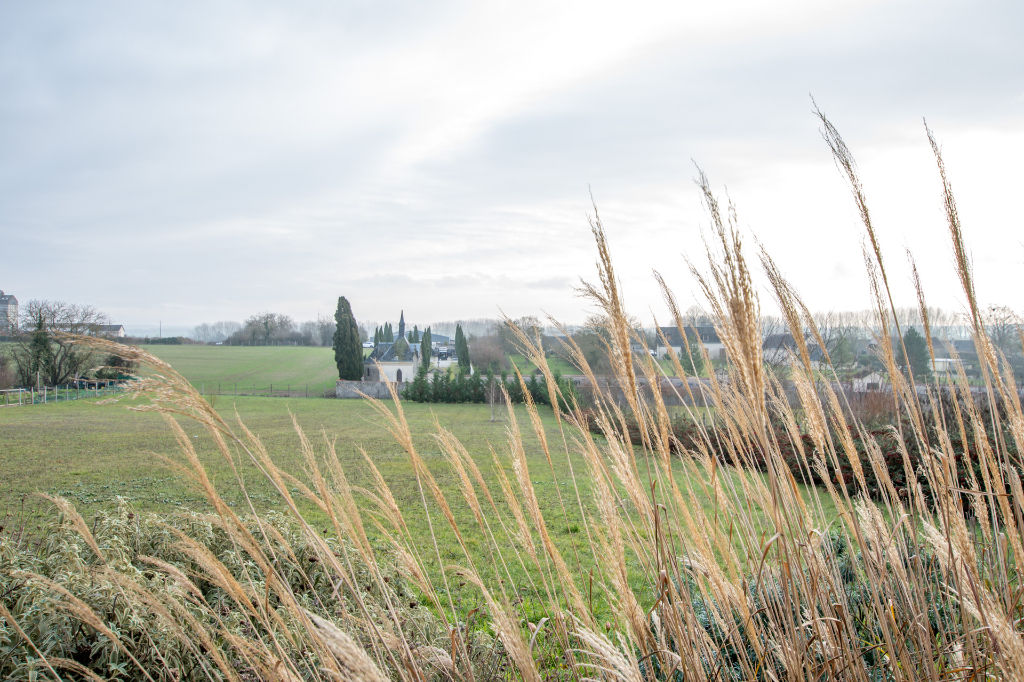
(696, 561)
(136, 594)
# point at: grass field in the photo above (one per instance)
(225, 369)
(93, 454)
(294, 369)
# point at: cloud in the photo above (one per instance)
(248, 156)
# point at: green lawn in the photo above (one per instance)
(227, 369)
(93, 453)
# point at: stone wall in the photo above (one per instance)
(352, 389)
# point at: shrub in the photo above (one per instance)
(163, 579)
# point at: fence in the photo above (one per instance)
(285, 390)
(14, 397)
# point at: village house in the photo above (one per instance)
(779, 348)
(8, 313)
(705, 333)
(108, 330)
(393, 361)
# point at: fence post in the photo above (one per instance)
(307, 390)
(270, 394)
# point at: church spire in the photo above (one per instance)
(401, 326)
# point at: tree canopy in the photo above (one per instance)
(917, 353)
(461, 348)
(46, 355)
(425, 347)
(348, 350)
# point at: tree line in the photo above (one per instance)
(42, 354)
(270, 329)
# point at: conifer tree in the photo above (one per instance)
(917, 353)
(461, 348)
(425, 347)
(348, 350)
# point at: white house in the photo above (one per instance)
(870, 382)
(8, 313)
(396, 371)
(108, 330)
(706, 333)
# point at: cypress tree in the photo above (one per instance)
(425, 347)
(348, 351)
(461, 348)
(415, 334)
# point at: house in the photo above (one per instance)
(778, 348)
(108, 330)
(393, 361)
(872, 381)
(944, 365)
(706, 334)
(389, 361)
(8, 313)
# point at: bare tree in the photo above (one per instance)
(486, 353)
(43, 353)
(266, 329)
(215, 332)
(224, 328)
(529, 324)
(776, 354)
(840, 332)
(1003, 326)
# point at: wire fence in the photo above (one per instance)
(44, 395)
(269, 390)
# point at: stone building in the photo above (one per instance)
(8, 313)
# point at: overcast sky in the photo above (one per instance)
(193, 161)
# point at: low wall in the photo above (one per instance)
(354, 389)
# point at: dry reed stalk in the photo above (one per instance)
(355, 663)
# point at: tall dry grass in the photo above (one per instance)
(765, 582)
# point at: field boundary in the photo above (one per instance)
(268, 390)
(23, 397)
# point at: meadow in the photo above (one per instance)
(98, 454)
(252, 369)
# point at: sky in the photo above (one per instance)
(187, 162)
